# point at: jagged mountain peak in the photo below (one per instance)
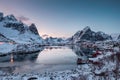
(88, 34)
(10, 18)
(78, 33)
(86, 28)
(33, 29)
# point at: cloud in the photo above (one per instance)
(45, 36)
(23, 18)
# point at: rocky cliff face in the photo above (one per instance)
(1, 16)
(33, 29)
(88, 34)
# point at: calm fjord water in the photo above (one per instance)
(49, 59)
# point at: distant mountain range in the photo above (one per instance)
(17, 37)
(54, 41)
(12, 30)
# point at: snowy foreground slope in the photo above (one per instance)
(16, 36)
(107, 69)
(104, 66)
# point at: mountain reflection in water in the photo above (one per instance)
(82, 53)
(18, 57)
(51, 58)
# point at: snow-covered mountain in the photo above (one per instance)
(54, 41)
(115, 36)
(17, 37)
(12, 30)
(89, 35)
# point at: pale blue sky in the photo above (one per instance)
(62, 18)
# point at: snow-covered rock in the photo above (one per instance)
(6, 48)
(115, 36)
(4, 39)
(9, 18)
(118, 37)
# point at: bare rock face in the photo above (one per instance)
(33, 29)
(1, 16)
(119, 37)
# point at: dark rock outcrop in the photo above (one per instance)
(1, 16)
(118, 37)
(33, 29)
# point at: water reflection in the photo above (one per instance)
(51, 58)
(63, 58)
(8, 69)
(19, 57)
(9, 63)
(56, 55)
(82, 53)
(11, 59)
